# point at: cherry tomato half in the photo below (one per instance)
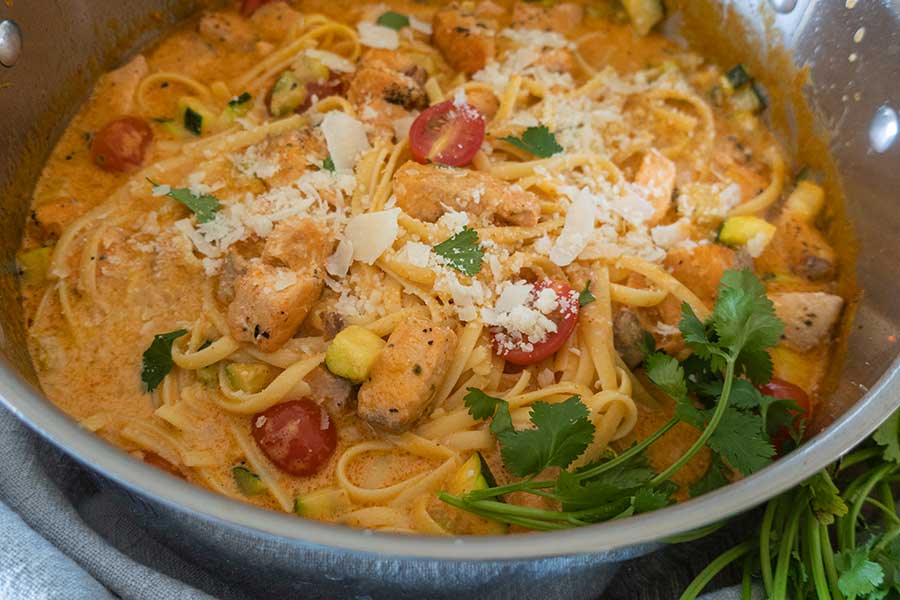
(248, 7)
(565, 317)
(333, 86)
(447, 133)
(779, 388)
(121, 144)
(298, 436)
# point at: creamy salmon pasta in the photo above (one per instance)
(434, 268)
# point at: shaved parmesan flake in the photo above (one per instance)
(372, 233)
(666, 236)
(346, 139)
(331, 60)
(402, 125)
(577, 230)
(415, 253)
(419, 25)
(339, 263)
(376, 36)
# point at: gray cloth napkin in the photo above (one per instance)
(61, 537)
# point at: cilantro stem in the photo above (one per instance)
(747, 578)
(501, 490)
(888, 514)
(713, 569)
(627, 454)
(814, 548)
(785, 549)
(503, 518)
(857, 457)
(765, 548)
(707, 431)
(828, 560)
(847, 524)
(695, 534)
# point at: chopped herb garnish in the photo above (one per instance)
(585, 296)
(328, 164)
(205, 206)
(162, 120)
(157, 361)
(242, 99)
(193, 121)
(247, 481)
(393, 20)
(462, 252)
(536, 140)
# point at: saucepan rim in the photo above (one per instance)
(853, 426)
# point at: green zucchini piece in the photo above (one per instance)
(247, 481)
(806, 201)
(644, 14)
(749, 99)
(324, 505)
(737, 231)
(194, 116)
(474, 474)
(736, 77)
(287, 94)
(34, 264)
(249, 377)
(352, 353)
(209, 375)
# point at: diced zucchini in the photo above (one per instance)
(749, 99)
(737, 231)
(34, 264)
(352, 353)
(237, 107)
(170, 126)
(249, 377)
(644, 14)
(310, 69)
(194, 116)
(247, 481)
(287, 94)
(324, 505)
(794, 367)
(806, 201)
(474, 474)
(735, 78)
(209, 375)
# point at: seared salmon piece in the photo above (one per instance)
(292, 152)
(388, 76)
(426, 192)
(465, 40)
(274, 20)
(656, 176)
(809, 317)
(406, 374)
(117, 87)
(230, 30)
(798, 248)
(563, 18)
(274, 294)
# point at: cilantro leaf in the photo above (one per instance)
(536, 140)
(825, 500)
(620, 482)
(462, 252)
(238, 100)
(205, 206)
(888, 435)
(393, 20)
(701, 340)
(859, 576)
(647, 499)
(157, 360)
(666, 372)
(742, 441)
(585, 296)
(502, 421)
(328, 164)
(716, 476)
(480, 405)
(745, 322)
(562, 432)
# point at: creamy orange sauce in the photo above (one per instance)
(149, 279)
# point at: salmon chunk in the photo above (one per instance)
(466, 41)
(563, 18)
(227, 29)
(406, 375)
(426, 192)
(117, 87)
(388, 76)
(276, 291)
(809, 317)
(292, 152)
(656, 177)
(274, 20)
(798, 248)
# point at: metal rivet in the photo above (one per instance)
(10, 43)
(884, 129)
(783, 6)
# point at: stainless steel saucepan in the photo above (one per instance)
(852, 49)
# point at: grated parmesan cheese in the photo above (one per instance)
(377, 36)
(577, 231)
(331, 60)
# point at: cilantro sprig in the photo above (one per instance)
(393, 20)
(585, 296)
(462, 252)
(157, 359)
(204, 206)
(713, 391)
(539, 141)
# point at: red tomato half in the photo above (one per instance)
(121, 144)
(779, 388)
(565, 317)
(298, 436)
(248, 7)
(321, 90)
(447, 134)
